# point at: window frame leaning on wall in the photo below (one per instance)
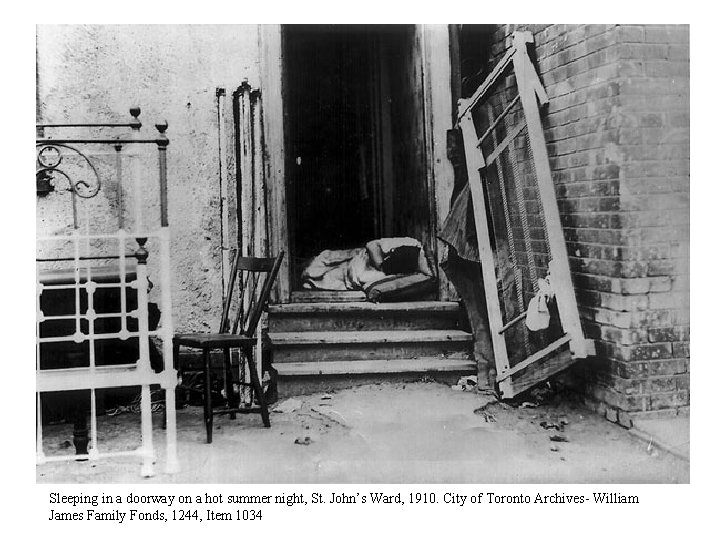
(550, 358)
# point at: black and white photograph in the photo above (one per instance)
(324, 257)
(363, 253)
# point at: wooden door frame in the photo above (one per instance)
(435, 51)
(271, 86)
(434, 48)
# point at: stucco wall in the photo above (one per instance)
(96, 73)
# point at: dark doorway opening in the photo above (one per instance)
(355, 138)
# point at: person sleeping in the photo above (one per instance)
(360, 268)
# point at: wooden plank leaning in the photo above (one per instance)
(476, 163)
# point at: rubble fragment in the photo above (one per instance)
(466, 384)
(288, 406)
(304, 441)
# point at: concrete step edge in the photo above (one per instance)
(317, 308)
(368, 367)
(369, 336)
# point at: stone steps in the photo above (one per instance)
(363, 316)
(321, 341)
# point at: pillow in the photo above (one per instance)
(398, 288)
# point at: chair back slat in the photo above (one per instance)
(244, 299)
(256, 277)
(227, 304)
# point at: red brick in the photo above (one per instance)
(681, 349)
(595, 29)
(667, 34)
(662, 367)
(630, 68)
(622, 336)
(661, 68)
(670, 400)
(647, 51)
(679, 52)
(630, 34)
(622, 302)
(617, 128)
(653, 351)
(669, 334)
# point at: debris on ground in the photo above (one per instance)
(542, 394)
(552, 425)
(303, 440)
(466, 384)
(554, 448)
(325, 397)
(288, 406)
(327, 414)
(558, 438)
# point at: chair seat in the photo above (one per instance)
(202, 340)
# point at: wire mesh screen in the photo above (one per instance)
(518, 229)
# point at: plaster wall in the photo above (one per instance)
(90, 73)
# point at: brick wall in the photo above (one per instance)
(617, 128)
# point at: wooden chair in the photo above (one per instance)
(256, 277)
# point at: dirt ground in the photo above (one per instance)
(422, 432)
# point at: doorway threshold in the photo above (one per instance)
(327, 296)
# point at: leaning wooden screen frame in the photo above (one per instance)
(530, 90)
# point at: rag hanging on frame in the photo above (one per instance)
(533, 314)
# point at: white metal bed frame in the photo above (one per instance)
(137, 372)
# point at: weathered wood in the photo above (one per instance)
(555, 345)
(504, 144)
(246, 172)
(542, 369)
(327, 296)
(528, 83)
(365, 367)
(494, 123)
(438, 115)
(274, 138)
(475, 164)
(365, 307)
(513, 322)
(363, 316)
(370, 336)
(370, 351)
(412, 214)
(469, 103)
(369, 345)
(259, 190)
(224, 181)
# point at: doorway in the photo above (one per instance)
(355, 148)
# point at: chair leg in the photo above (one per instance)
(229, 393)
(207, 409)
(257, 386)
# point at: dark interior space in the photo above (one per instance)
(355, 139)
